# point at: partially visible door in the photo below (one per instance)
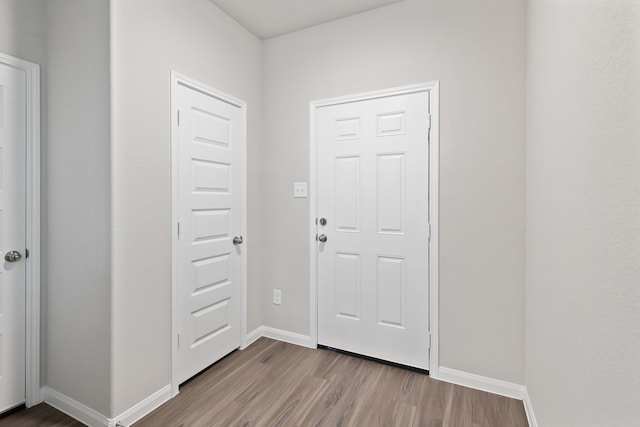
(373, 249)
(211, 147)
(12, 236)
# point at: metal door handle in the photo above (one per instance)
(13, 256)
(237, 240)
(322, 238)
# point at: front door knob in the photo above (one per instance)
(13, 256)
(237, 240)
(322, 238)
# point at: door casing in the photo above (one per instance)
(178, 80)
(32, 351)
(434, 143)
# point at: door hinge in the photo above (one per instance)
(429, 121)
(178, 339)
(429, 340)
(178, 231)
(429, 231)
(178, 118)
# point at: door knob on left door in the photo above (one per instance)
(13, 256)
(237, 240)
(322, 238)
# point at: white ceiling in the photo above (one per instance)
(271, 18)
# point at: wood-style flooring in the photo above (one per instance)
(41, 415)
(277, 384)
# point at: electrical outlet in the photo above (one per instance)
(299, 189)
(277, 296)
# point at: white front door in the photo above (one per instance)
(373, 268)
(12, 235)
(211, 149)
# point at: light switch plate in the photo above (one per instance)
(299, 189)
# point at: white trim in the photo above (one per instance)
(93, 418)
(286, 336)
(434, 243)
(313, 227)
(143, 408)
(434, 220)
(478, 382)
(174, 231)
(528, 408)
(252, 337)
(75, 409)
(32, 312)
(178, 79)
(279, 335)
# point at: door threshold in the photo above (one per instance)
(18, 408)
(374, 359)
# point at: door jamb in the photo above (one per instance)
(178, 80)
(32, 297)
(434, 145)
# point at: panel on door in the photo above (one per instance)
(12, 236)
(210, 151)
(373, 268)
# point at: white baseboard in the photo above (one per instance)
(528, 408)
(143, 408)
(514, 391)
(92, 418)
(252, 337)
(491, 385)
(280, 335)
(75, 409)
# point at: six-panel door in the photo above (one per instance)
(373, 180)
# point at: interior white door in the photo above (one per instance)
(12, 236)
(373, 268)
(211, 147)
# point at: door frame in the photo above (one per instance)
(178, 80)
(32, 190)
(434, 144)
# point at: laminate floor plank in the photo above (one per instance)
(405, 385)
(435, 397)
(296, 404)
(41, 415)
(373, 402)
(361, 382)
(477, 408)
(272, 383)
(403, 414)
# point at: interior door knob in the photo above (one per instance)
(322, 238)
(237, 240)
(13, 256)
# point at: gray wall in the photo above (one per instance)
(76, 221)
(476, 50)
(22, 29)
(149, 39)
(74, 59)
(583, 212)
